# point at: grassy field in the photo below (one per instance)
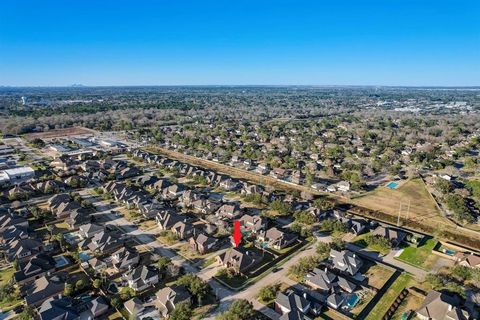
(422, 207)
(422, 256)
(382, 306)
(6, 275)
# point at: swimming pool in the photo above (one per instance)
(392, 185)
(60, 261)
(449, 252)
(83, 256)
(352, 300)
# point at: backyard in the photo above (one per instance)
(377, 275)
(422, 256)
(411, 302)
(382, 306)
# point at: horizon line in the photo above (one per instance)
(241, 85)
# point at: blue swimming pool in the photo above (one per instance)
(450, 252)
(60, 261)
(352, 300)
(83, 256)
(392, 185)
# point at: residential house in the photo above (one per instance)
(322, 280)
(22, 249)
(166, 219)
(13, 232)
(238, 260)
(169, 297)
(104, 242)
(142, 277)
(66, 308)
(278, 173)
(343, 186)
(34, 268)
(128, 173)
(183, 230)
(8, 220)
(173, 192)
(203, 243)
(291, 302)
(228, 211)
(336, 300)
(262, 168)
(135, 308)
(125, 259)
(252, 223)
(249, 189)
(277, 239)
(88, 230)
(467, 260)
(43, 288)
(345, 261)
(394, 235)
(441, 306)
(205, 206)
(228, 184)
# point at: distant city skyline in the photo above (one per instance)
(319, 43)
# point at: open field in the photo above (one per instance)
(59, 133)
(413, 192)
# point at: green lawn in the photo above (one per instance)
(6, 275)
(234, 281)
(9, 301)
(403, 281)
(422, 256)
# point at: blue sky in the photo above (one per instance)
(175, 42)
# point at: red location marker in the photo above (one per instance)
(237, 233)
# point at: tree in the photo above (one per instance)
(27, 314)
(474, 187)
(323, 204)
(268, 293)
(97, 283)
(80, 284)
(304, 217)
(127, 293)
(443, 186)
(196, 286)
(182, 311)
(68, 290)
(239, 310)
(163, 263)
(323, 250)
(281, 207)
(38, 143)
(456, 203)
(304, 266)
(116, 302)
(61, 240)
